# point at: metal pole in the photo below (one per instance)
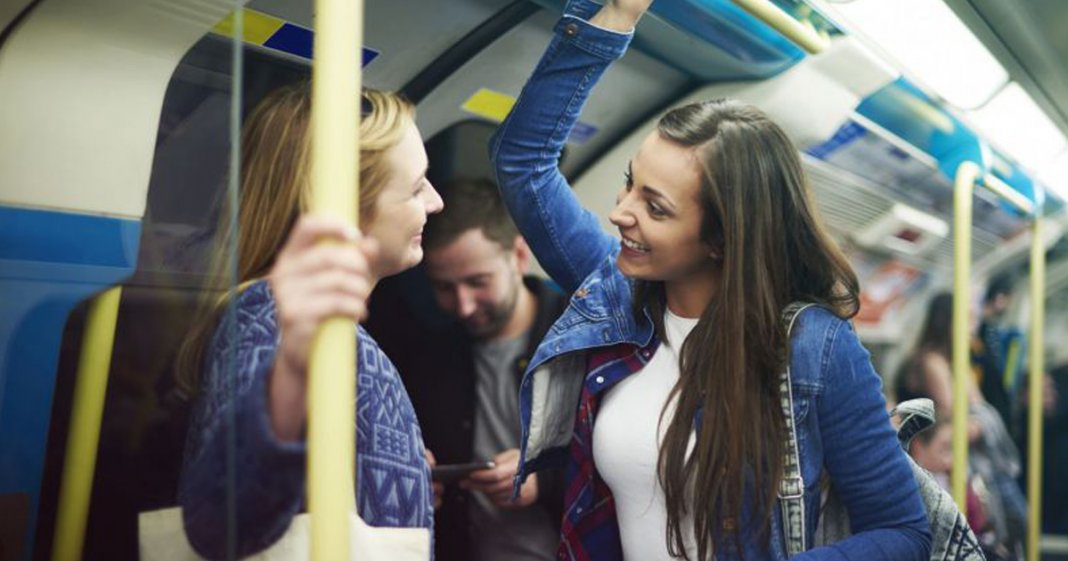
(804, 36)
(335, 192)
(1034, 413)
(967, 174)
(90, 389)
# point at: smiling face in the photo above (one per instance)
(659, 216)
(477, 281)
(401, 208)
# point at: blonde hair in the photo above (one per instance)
(274, 191)
(275, 157)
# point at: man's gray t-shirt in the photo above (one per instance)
(503, 534)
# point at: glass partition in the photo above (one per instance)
(119, 139)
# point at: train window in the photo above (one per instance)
(144, 420)
(461, 151)
(503, 67)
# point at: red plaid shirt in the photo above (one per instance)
(590, 530)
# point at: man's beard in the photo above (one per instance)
(498, 316)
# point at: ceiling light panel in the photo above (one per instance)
(1016, 125)
(930, 44)
(1054, 175)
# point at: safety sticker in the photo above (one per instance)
(267, 31)
(495, 106)
(487, 103)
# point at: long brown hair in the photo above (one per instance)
(937, 334)
(759, 218)
(274, 191)
(936, 337)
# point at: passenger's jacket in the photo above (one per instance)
(440, 379)
(840, 414)
(269, 475)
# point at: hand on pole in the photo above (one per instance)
(312, 282)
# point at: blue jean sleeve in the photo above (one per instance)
(232, 456)
(566, 238)
(866, 464)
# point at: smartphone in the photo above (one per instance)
(448, 473)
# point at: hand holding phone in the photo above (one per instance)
(497, 483)
(449, 473)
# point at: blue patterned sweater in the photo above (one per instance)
(268, 483)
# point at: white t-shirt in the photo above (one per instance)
(626, 447)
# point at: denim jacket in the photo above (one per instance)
(840, 414)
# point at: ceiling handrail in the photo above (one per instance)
(804, 36)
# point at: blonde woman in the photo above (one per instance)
(248, 366)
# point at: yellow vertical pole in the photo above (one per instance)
(332, 383)
(1034, 413)
(967, 174)
(90, 388)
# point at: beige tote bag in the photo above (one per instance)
(162, 538)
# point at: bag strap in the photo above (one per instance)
(792, 486)
(917, 415)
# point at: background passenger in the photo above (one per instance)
(464, 380)
(993, 456)
(1001, 373)
(254, 357)
(989, 349)
(928, 372)
(660, 383)
(933, 450)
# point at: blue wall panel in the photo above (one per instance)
(49, 262)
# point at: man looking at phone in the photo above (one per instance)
(463, 376)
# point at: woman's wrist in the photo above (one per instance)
(615, 19)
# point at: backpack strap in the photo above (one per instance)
(792, 486)
(917, 415)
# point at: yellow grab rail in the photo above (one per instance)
(804, 36)
(335, 192)
(967, 175)
(1008, 194)
(1034, 412)
(90, 388)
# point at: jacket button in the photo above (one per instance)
(571, 29)
(582, 292)
(600, 379)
